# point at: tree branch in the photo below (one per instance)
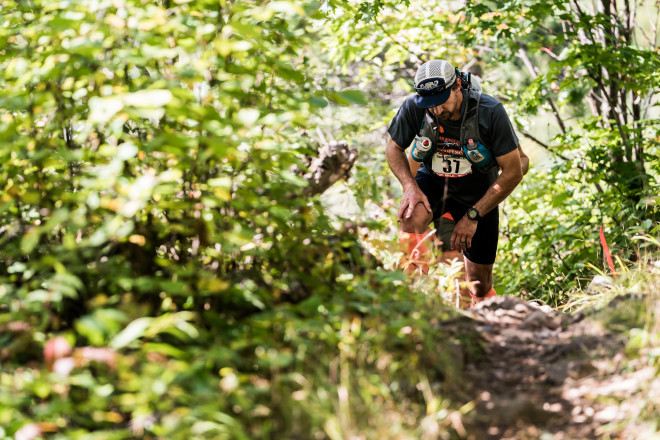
(395, 41)
(333, 164)
(522, 54)
(541, 144)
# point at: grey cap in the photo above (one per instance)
(433, 83)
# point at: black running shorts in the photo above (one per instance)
(484, 242)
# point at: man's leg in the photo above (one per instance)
(414, 234)
(445, 227)
(480, 280)
(480, 257)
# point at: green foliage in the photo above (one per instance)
(178, 377)
(153, 214)
(553, 221)
(146, 145)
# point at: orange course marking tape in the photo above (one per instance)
(606, 250)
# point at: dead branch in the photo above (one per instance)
(333, 164)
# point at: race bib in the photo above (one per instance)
(450, 163)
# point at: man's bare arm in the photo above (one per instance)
(508, 179)
(524, 161)
(413, 164)
(412, 195)
(505, 183)
(396, 159)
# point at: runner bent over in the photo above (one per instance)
(459, 123)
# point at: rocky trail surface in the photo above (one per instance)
(549, 376)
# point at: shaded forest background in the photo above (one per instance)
(165, 269)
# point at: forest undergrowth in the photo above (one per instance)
(384, 361)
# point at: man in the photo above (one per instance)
(444, 227)
(471, 138)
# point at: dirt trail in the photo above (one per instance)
(544, 375)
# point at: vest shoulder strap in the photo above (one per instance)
(470, 125)
(429, 127)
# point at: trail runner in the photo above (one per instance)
(470, 162)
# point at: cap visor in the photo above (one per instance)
(433, 100)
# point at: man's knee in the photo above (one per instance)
(418, 221)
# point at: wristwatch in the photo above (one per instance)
(473, 214)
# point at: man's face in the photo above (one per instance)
(449, 108)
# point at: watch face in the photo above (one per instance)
(472, 214)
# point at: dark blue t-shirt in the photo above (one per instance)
(496, 132)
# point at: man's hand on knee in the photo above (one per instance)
(411, 197)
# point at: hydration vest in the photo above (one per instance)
(470, 139)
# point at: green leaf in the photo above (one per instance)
(132, 332)
(90, 328)
(30, 240)
(354, 96)
(148, 98)
(103, 109)
(248, 116)
(166, 349)
(318, 101)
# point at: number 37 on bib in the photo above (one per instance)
(451, 163)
